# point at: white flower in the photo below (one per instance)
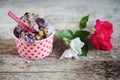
(75, 49)
(69, 53)
(76, 45)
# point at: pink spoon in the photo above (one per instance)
(21, 23)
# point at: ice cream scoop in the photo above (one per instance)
(31, 27)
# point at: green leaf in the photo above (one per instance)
(82, 34)
(66, 34)
(83, 22)
(85, 50)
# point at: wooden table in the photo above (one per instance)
(98, 65)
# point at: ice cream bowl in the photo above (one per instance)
(38, 50)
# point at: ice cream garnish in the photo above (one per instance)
(20, 22)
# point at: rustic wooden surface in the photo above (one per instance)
(98, 65)
(64, 14)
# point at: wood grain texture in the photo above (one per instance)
(98, 65)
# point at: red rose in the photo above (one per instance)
(102, 35)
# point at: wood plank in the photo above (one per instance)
(110, 68)
(103, 70)
(50, 76)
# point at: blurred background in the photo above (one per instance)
(63, 14)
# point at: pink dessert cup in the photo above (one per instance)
(38, 50)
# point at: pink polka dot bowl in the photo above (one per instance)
(38, 50)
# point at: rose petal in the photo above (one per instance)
(94, 41)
